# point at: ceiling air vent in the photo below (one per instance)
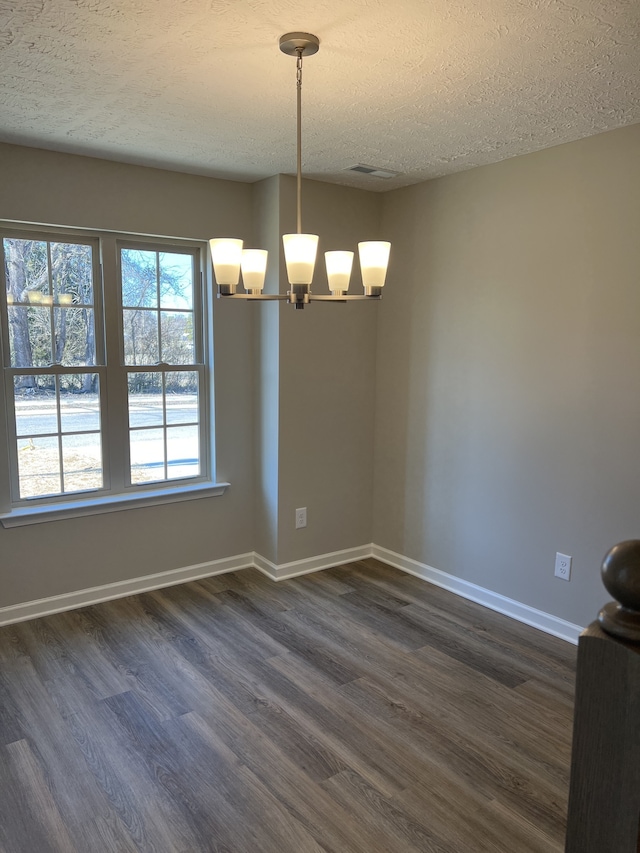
(372, 170)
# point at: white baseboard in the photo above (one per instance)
(311, 564)
(120, 589)
(493, 600)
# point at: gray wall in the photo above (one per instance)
(56, 557)
(266, 371)
(327, 385)
(316, 382)
(508, 379)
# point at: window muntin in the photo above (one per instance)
(56, 377)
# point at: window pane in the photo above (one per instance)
(30, 336)
(19, 342)
(26, 334)
(181, 389)
(39, 321)
(183, 452)
(82, 462)
(145, 399)
(141, 337)
(176, 280)
(35, 405)
(72, 273)
(147, 455)
(139, 279)
(27, 268)
(38, 466)
(177, 337)
(75, 342)
(80, 402)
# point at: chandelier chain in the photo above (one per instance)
(299, 68)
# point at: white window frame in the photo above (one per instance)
(118, 492)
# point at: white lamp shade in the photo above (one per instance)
(300, 255)
(374, 259)
(226, 254)
(254, 267)
(338, 270)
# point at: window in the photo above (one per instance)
(104, 346)
(160, 334)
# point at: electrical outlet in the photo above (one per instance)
(563, 567)
(301, 517)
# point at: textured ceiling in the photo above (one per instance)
(422, 88)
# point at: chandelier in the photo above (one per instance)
(230, 258)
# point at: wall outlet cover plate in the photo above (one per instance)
(563, 567)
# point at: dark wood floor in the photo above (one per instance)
(358, 710)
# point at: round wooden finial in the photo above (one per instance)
(621, 577)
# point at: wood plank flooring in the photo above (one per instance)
(357, 710)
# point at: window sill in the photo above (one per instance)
(24, 515)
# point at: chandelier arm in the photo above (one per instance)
(297, 298)
(345, 298)
(251, 297)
